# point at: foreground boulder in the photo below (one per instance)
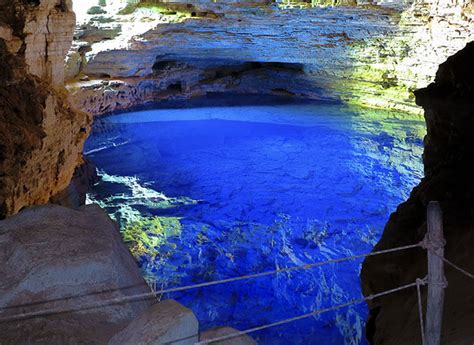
(225, 331)
(55, 257)
(167, 322)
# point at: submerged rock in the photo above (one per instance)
(167, 322)
(225, 331)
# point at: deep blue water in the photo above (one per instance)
(252, 188)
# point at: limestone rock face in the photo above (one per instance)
(44, 28)
(179, 80)
(224, 331)
(49, 27)
(185, 57)
(374, 57)
(55, 257)
(428, 32)
(41, 135)
(449, 160)
(41, 138)
(13, 43)
(75, 194)
(167, 322)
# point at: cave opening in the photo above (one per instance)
(261, 163)
(230, 138)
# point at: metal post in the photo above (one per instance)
(436, 279)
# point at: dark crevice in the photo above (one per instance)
(175, 87)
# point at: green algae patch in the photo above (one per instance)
(377, 79)
(145, 236)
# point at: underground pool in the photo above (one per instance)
(214, 192)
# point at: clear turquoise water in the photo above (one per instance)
(254, 188)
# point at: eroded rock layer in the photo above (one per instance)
(449, 160)
(41, 135)
(364, 52)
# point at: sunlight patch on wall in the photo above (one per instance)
(389, 68)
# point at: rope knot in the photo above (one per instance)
(420, 281)
(432, 244)
(443, 284)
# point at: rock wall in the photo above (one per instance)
(177, 80)
(388, 69)
(449, 160)
(41, 33)
(41, 135)
(372, 53)
(208, 51)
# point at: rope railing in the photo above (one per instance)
(420, 282)
(430, 327)
(313, 313)
(453, 265)
(147, 295)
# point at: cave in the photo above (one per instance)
(236, 172)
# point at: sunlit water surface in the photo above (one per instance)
(215, 192)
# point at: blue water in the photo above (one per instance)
(247, 189)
